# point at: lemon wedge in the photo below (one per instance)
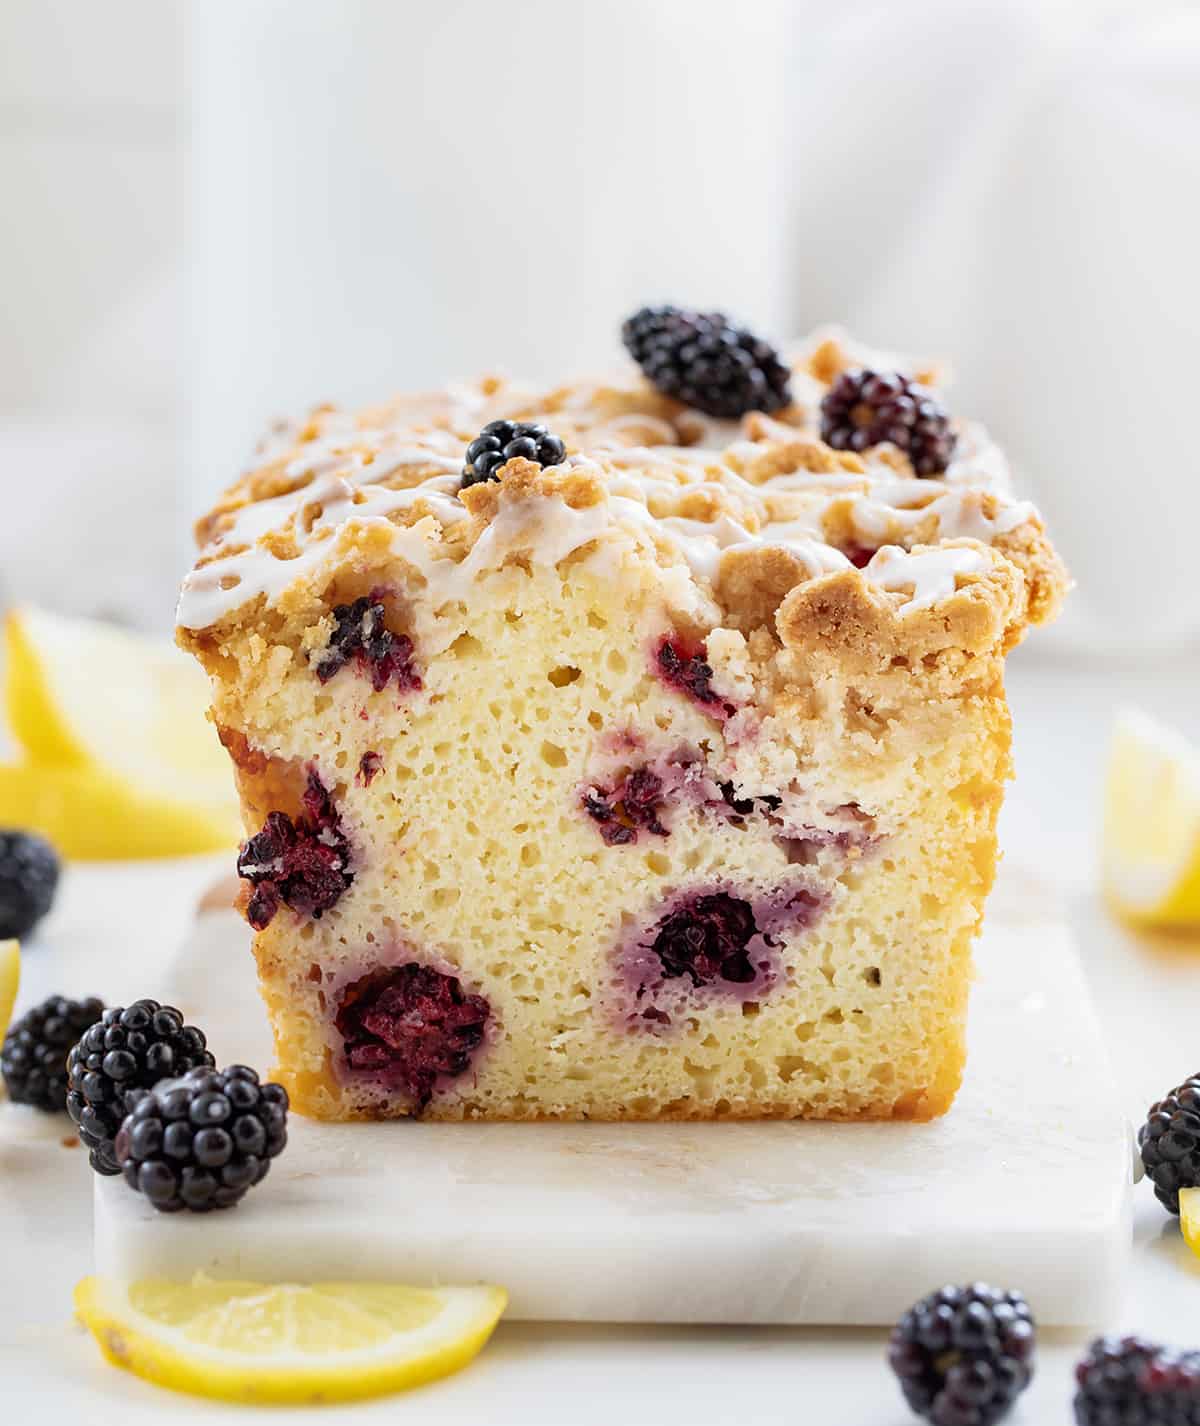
(121, 760)
(1189, 1217)
(1151, 855)
(91, 816)
(287, 1342)
(10, 978)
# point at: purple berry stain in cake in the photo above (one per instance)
(848, 829)
(685, 666)
(411, 1026)
(625, 799)
(360, 635)
(746, 806)
(632, 805)
(302, 863)
(370, 765)
(710, 941)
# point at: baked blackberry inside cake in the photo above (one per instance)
(603, 758)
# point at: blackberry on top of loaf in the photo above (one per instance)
(602, 757)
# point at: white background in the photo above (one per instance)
(217, 213)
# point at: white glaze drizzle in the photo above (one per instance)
(347, 463)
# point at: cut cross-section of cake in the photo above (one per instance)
(657, 782)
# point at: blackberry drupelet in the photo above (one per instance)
(117, 1060)
(706, 361)
(1129, 1381)
(34, 1058)
(1170, 1143)
(964, 1354)
(865, 408)
(28, 880)
(501, 441)
(201, 1141)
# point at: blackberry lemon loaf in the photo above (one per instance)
(630, 749)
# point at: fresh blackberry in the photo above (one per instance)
(126, 1053)
(34, 1058)
(28, 880)
(201, 1141)
(1128, 1381)
(501, 441)
(964, 1354)
(706, 361)
(865, 408)
(1170, 1143)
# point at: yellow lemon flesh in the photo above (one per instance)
(287, 1342)
(1151, 852)
(121, 761)
(10, 979)
(1189, 1217)
(90, 815)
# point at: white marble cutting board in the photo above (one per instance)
(1026, 1181)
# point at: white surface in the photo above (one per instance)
(830, 1224)
(1148, 994)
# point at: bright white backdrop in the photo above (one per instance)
(381, 195)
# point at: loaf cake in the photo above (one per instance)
(630, 749)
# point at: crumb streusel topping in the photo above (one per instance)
(718, 506)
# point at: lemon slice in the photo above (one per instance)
(1151, 858)
(10, 978)
(92, 816)
(1189, 1217)
(127, 714)
(287, 1342)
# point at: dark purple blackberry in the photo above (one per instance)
(865, 408)
(706, 361)
(201, 1141)
(117, 1060)
(411, 1025)
(360, 634)
(744, 806)
(964, 1354)
(501, 441)
(685, 666)
(632, 805)
(28, 880)
(1128, 1381)
(303, 864)
(1170, 1143)
(34, 1058)
(707, 939)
